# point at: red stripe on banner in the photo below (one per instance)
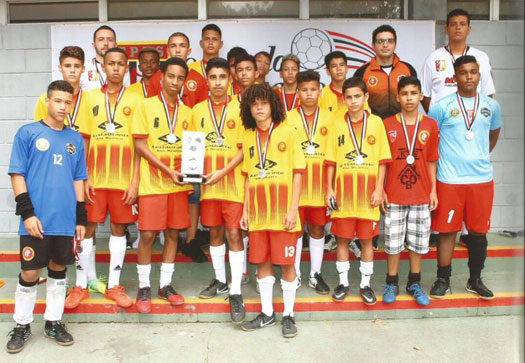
(353, 50)
(336, 34)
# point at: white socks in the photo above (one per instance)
(143, 272)
(166, 274)
(82, 265)
(366, 269)
(117, 251)
(236, 267)
(92, 270)
(25, 299)
(298, 250)
(342, 268)
(245, 263)
(289, 289)
(217, 254)
(464, 229)
(316, 255)
(55, 298)
(266, 292)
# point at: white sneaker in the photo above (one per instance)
(245, 279)
(331, 243)
(352, 246)
(161, 238)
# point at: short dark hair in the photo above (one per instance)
(213, 27)
(261, 91)
(217, 62)
(59, 86)
(149, 50)
(104, 27)
(464, 59)
(354, 82)
(232, 53)
(241, 57)
(262, 52)
(307, 76)
(410, 80)
(179, 34)
(174, 62)
(333, 55)
(116, 50)
(458, 12)
(71, 51)
(381, 29)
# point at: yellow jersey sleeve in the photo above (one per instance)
(40, 111)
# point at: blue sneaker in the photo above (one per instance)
(417, 292)
(390, 292)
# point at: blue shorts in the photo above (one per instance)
(195, 197)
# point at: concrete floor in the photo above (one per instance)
(475, 339)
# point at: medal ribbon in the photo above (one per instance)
(144, 91)
(262, 153)
(172, 120)
(111, 114)
(466, 118)
(181, 92)
(285, 102)
(100, 77)
(410, 146)
(357, 147)
(452, 55)
(309, 133)
(203, 68)
(217, 126)
(71, 119)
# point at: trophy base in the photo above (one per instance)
(193, 179)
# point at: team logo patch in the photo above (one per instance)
(440, 65)
(485, 111)
(230, 124)
(28, 253)
(92, 75)
(192, 85)
(282, 146)
(423, 136)
(127, 111)
(371, 139)
(400, 76)
(70, 148)
(324, 130)
(42, 144)
(392, 134)
(372, 81)
(185, 125)
(450, 82)
(454, 112)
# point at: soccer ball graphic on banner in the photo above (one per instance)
(311, 46)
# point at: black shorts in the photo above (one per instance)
(35, 253)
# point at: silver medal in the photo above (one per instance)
(469, 135)
(171, 138)
(219, 141)
(262, 173)
(310, 149)
(410, 159)
(359, 159)
(110, 127)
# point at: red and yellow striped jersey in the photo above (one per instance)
(78, 109)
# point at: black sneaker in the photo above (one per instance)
(440, 288)
(433, 239)
(58, 331)
(317, 283)
(129, 242)
(340, 292)
(215, 288)
(19, 335)
(237, 312)
(289, 328)
(375, 242)
(478, 287)
(368, 296)
(194, 251)
(260, 321)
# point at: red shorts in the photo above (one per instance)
(313, 215)
(458, 202)
(354, 227)
(110, 200)
(161, 211)
(218, 212)
(276, 246)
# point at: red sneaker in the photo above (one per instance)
(76, 295)
(117, 294)
(143, 302)
(168, 293)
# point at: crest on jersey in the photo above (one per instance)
(92, 75)
(230, 124)
(192, 85)
(28, 253)
(42, 144)
(164, 138)
(126, 110)
(102, 126)
(485, 111)
(70, 148)
(282, 146)
(423, 136)
(372, 81)
(408, 176)
(323, 130)
(392, 134)
(371, 139)
(440, 65)
(454, 112)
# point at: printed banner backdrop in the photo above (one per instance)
(310, 40)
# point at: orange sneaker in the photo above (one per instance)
(76, 295)
(117, 294)
(2, 282)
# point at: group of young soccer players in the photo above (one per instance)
(278, 162)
